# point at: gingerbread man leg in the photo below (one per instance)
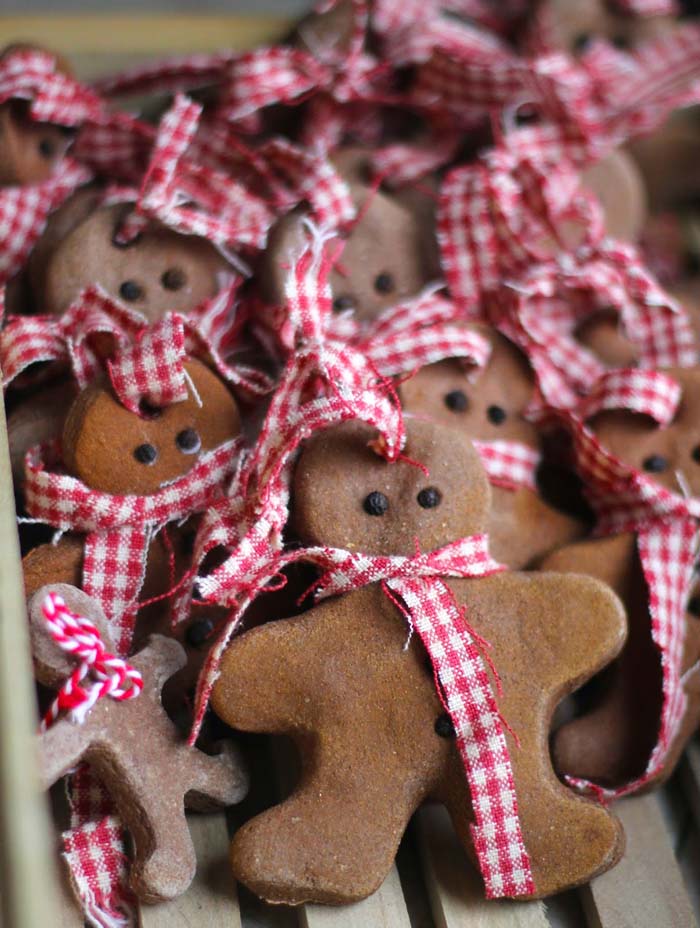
(60, 749)
(216, 781)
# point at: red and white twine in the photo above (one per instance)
(99, 673)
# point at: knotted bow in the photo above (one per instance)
(665, 524)
(505, 227)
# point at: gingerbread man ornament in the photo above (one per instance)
(361, 703)
(488, 406)
(137, 752)
(390, 252)
(611, 742)
(115, 451)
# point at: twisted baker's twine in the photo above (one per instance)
(111, 676)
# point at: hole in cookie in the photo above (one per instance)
(148, 410)
(496, 415)
(655, 463)
(582, 42)
(429, 498)
(375, 504)
(47, 149)
(695, 454)
(694, 606)
(456, 401)
(199, 632)
(384, 282)
(130, 291)
(146, 454)
(173, 279)
(444, 727)
(188, 441)
(343, 303)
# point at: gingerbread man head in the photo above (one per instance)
(29, 150)
(117, 451)
(389, 253)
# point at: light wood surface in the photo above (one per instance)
(211, 901)
(456, 892)
(646, 888)
(385, 909)
(24, 822)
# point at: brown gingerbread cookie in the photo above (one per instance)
(29, 150)
(37, 418)
(575, 26)
(119, 452)
(612, 739)
(390, 253)
(488, 406)
(619, 186)
(362, 707)
(136, 751)
(159, 271)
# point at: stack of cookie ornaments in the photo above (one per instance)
(353, 395)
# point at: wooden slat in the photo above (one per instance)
(645, 890)
(137, 34)
(385, 909)
(28, 891)
(456, 892)
(212, 900)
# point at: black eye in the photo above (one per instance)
(456, 401)
(198, 632)
(130, 291)
(146, 454)
(188, 441)
(621, 42)
(343, 303)
(174, 279)
(429, 498)
(695, 454)
(694, 606)
(375, 504)
(444, 727)
(47, 149)
(384, 283)
(655, 463)
(582, 42)
(496, 414)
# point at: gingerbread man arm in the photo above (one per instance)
(60, 749)
(216, 781)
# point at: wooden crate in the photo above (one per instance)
(657, 885)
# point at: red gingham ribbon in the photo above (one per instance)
(665, 523)
(414, 584)
(191, 198)
(649, 7)
(24, 211)
(502, 230)
(511, 465)
(99, 673)
(119, 528)
(152, 369)
(324, 383)
(32, 74)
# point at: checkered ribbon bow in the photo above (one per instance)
(99, 674)
(505, 228)
(411, 335)
(192, 198)
(32, 74)
(415, 586)
(511, 465)
(119, 529)
(665, 523)
(324, 383)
